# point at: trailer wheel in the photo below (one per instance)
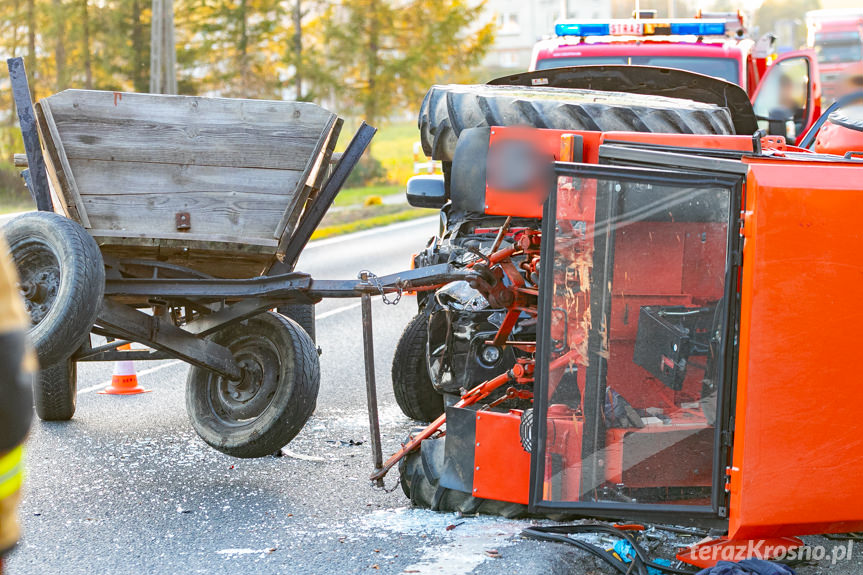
(412, 386)
(62, 279)
(303, 314)
(420, 473)
(55, 391)
(449, 109)
(264, 411)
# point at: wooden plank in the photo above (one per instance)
(60, 171)
(189, 130)
(219, 259)
(241, 203)
(185, 239)
(292, 212)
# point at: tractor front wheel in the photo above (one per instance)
(412, 386)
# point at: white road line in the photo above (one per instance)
(141, 374)
(371, 232)
(332, 312)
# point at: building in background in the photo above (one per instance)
(520, 23)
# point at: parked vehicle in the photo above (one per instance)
(787, 100)
(837, 38)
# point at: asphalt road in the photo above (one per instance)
(127, 487)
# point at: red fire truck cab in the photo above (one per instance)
(785, 91)
(837, 38)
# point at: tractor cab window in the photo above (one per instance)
(782, 103)
(634, 340)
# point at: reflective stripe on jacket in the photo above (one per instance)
(11, 472)
(11, 476)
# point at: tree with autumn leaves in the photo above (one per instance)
(367, 58)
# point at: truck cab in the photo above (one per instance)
(785, 90)
(837, 38)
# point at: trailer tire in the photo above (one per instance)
(62, 279)
(55, 391)
(268, 408)
(303, 314)
(412, 386)
(449, 109)
(420, 473)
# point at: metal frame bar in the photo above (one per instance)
(161, 334)
(322, 202)
(279, 288)
(37, 178)
(187, 343)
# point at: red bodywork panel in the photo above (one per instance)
(528, 204)
(548, 142)
(835, 139)
(500, 474)
(797, 463)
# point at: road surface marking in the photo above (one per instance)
(332, 312)
(371, 232)
(143, 373)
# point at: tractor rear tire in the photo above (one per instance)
(62, 279)
(420, 473)
(449, 109)
(260, 414)
(412, 386)
(55, 391)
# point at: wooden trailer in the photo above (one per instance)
(176, 222)
(213, 184)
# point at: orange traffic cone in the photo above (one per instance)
(124, 380)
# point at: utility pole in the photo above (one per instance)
(298, 49)
(163, 54)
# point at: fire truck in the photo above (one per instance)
(837, 38)
(785, 90)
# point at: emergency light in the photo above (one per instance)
(643, 27)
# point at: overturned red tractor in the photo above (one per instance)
(652, 325)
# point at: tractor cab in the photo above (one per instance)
(633, 357)
(675, 274)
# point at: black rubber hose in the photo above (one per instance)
(560, 531)
(536, 533)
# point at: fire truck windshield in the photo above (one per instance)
(836, 52)
(722, 68)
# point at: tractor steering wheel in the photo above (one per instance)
(809, 139)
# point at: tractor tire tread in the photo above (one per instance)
(446, 110)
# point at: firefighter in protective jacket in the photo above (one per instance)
(17, 366)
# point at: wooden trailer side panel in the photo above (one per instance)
(181, 177)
